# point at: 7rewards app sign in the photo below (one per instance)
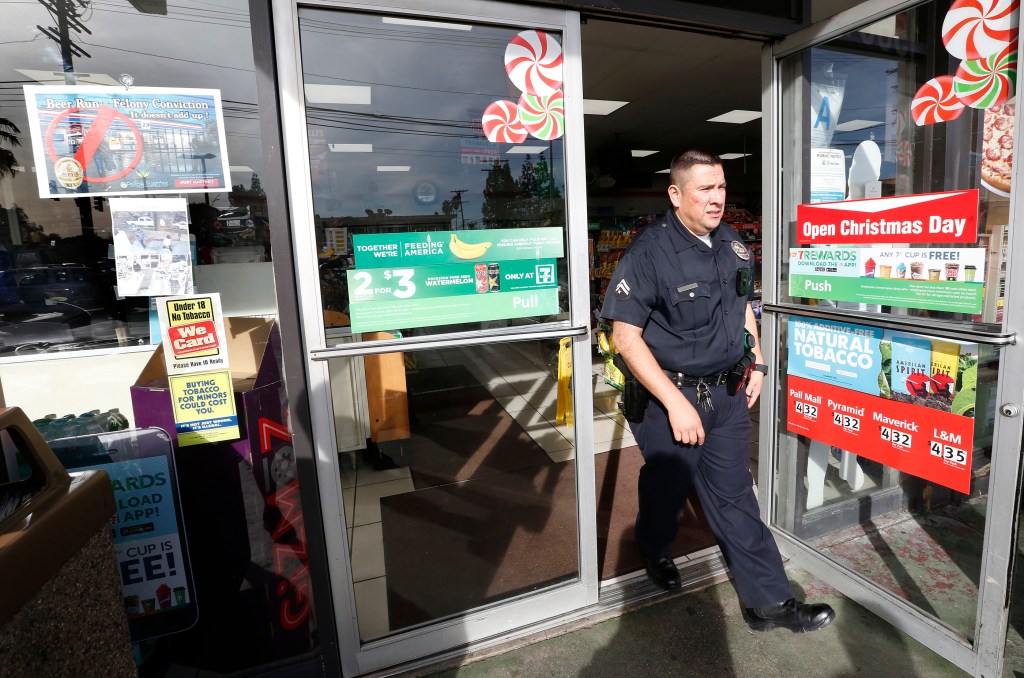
(408, 280)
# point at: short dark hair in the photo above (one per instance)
(686, 160)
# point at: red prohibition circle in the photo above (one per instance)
(94, 136)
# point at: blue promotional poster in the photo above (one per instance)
(92, 140)
(146, 538)
(836, 353)
(147, 528)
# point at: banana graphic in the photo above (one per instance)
(464, 250)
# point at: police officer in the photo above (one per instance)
(679, 302)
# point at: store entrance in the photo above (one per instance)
(893, 425)
(652, 93)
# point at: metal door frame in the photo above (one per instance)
(500, 621)
(985, 656)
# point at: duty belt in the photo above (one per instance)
(680, 379)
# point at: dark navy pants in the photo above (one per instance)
(719, 471)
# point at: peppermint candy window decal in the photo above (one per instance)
(984, 35)
(533, 63)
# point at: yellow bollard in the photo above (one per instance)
(563, 412)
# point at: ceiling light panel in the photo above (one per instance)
(601, 106)
(641, 154)
(426, 24)
(854, 125)
(737, 117)
(337, 94)
(350, 148)
(526, 149)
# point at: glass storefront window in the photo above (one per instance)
(875, 115)
(897, 147)
(67, 283)
(428, 190)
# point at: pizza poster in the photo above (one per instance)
(906, 401)
(937, 279)
(112, 141)
(192, 327)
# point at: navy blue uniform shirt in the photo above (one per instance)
(684, 295)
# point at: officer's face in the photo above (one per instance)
(699, 198)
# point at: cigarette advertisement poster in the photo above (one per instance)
(152, 556)
(152, 250)
(196, 358)
(938, 279)
(94, 140)
(901, 400)
(407, 280)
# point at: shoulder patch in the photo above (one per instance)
(741, 251)
(622, 290)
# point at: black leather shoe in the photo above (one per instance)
(797, 617)
(663, 572)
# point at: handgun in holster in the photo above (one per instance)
(739, 375)
(634, 395)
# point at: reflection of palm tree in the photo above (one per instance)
(9, 134)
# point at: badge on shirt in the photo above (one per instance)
(741, 251)
(622, 290)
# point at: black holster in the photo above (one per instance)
(739, 375)
(635, 395)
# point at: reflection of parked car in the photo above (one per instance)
(43, 285)
(234, 218)
(141, 222)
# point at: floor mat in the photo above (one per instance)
(452, 548)
(459, 431)
(615, 474)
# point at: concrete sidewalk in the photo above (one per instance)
(704, 634)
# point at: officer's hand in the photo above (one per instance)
(754, 388)
(686, 425)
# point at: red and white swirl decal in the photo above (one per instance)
(501, 123)
(533, 61)
(975, 29)
(936, 102)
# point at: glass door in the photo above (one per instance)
(894, 418)
(442, 265)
